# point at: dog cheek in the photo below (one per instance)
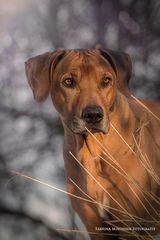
(111, 100)
(107, 124)
(58, 102)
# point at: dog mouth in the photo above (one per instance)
(94, 130)
(78, 126)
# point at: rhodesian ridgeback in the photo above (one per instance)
(111, 140)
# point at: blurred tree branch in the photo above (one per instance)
(50, 123)
(36, 221)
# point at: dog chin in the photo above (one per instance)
(98, 130)
(88, 130)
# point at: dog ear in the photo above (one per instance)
(122, 65)
(38, 71)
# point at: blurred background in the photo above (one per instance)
(31, 135)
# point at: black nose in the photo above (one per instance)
(92, 114)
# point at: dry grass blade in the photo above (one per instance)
(126, 179)
(152, 173)
(142, 191)
(139, 199)
(122, 138)
(152, 169)
(141, 220)
(10, 180)
(134, 219)
(60, 190)
(106, 208)
(131, 180)
(127, 174)
(130, 215)
(144, 106)
(134, 182)
(99, 183)
(114, 161)
(146, 164)
(50, 186)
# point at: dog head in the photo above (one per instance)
(83, 84)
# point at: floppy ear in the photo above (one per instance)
(38, 71)
(122, 65)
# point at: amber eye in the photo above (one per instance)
(107, 80)
(69, 82)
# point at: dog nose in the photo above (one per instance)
(92, 114)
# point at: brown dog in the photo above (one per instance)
(112, 141)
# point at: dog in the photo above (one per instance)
(111, 140)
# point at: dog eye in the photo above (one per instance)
(107, 80)
(69, 82)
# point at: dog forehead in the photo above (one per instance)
(83, 59)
